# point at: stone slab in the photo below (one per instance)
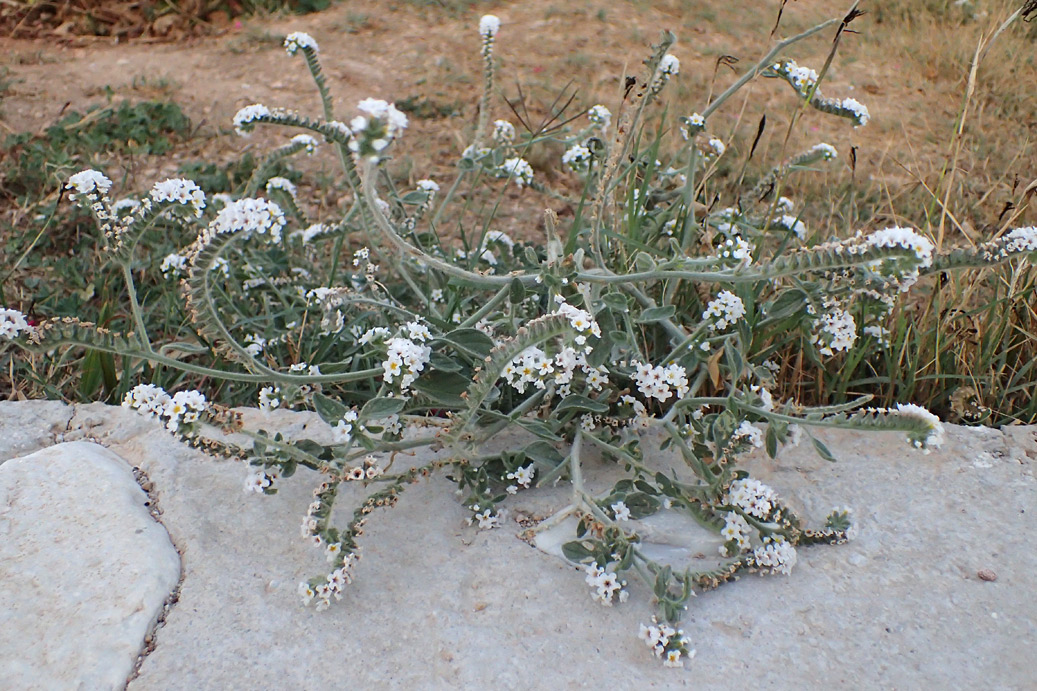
(437, 604)
(84, 569)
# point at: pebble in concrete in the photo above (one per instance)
(84, 569)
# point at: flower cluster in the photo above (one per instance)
(369, 470)
(735, 529)
(489, 25)
(858, 109)
(180, 191)
(835, 330)
(344, 428)
(503, 132)
(179, 412)
(250, 217)
(337, 580)
(749, 433)
(519, 170)
(578, 158)
(751, 496)
(669, 66)
(607, 586)
(802, 78)
(283, 184)
(660, 382)
(297, 40)
(600, 116)
(90, 183)
(270, 398)
(406, 357)
(373, 131)
(827, 151)
(724, 311)
(12, 323)
(666, 642)
(775, 555)
(244, 119)
(580, 320)
(934, 432)
(173, 265)
(793, 224)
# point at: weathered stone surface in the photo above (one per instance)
(84, 569)
(437, 604)
(29, 426)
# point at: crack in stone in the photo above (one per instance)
(174, 596)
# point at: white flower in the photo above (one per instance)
(519, 170)
(600, 116)
(297, 40)
(775, 555)
(503, 131)
(257, 482)
(836, 331)
(269, 398)
(752, 496)
(394, 119)
(578, 158)
(792, 223)
(724, 311)
(180, 191)
(173, 265)
(748, 432)
(487, 519)
(523, 475)
(669, 65)
(935, 432)
(620, 511)
(430, 186)
(12, 323)
(250, 217)
(489, 25)
(905, 238)
(859, 110)
(279, 183)
(828, 152)
(244, 118)
(87, 182)
(307, 141)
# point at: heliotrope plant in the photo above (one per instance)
(646, 319)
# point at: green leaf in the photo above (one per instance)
(444, 363)
(444, 388)
(538, 428)
(471, 341)
(575, 551)
(615, 301)
(90, 380)
(641, 505)
(644, 262)
(378, 408)
(516, 292)
(655, 314)
(822, 450)
(543, 452)
(578, 403)
(771, 439)
(330, 410)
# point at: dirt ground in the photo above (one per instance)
(909, 69)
